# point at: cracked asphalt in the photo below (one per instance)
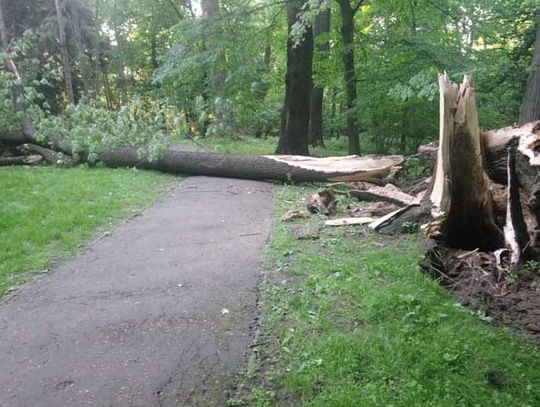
(158, 313)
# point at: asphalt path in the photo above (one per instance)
(158, 313)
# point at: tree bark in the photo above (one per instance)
(298, 84)
(530, 108)
(217, 74)
(321, 27)
(64, 50)
(516, 235)
(285, 168)
(347, 35)
(279, 168)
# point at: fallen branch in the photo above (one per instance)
(389, 194)
(21, 160)
(391, 217)
(52, 157)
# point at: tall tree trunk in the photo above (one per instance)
(321, 27)
(298, 83)
(153, 51)
(217, 75)
(122, 80)
(530, 109)
(64, 50)
(347, 34)
(17, 91)
(4, 36)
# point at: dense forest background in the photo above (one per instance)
(103, 71)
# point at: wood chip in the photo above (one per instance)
(303, 232)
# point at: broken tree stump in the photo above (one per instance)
(462, 207)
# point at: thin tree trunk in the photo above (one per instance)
(17, 91)
(298, 83)
(530, 109)
(4, 36)
(321, 27)
(64, 51)
(122, 80)
(347, 34)
(267, 58)
(217, 74)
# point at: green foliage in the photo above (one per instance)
(531, 265)
(48, 212)
(91, 129)
(222, 73)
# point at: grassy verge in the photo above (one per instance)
(264, 146)
(348, 320)
(47, 212)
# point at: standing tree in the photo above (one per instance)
(530, 109)
(64, 50)
(321, 27)
(348, 12)
(298, 83)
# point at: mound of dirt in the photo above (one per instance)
(477, 280)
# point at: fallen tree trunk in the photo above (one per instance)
(279, 168)
(285, 168)
(496, 144)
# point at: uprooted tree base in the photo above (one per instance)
(480, 213)
(484, 211)
(474, 278)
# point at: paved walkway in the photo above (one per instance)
(156, 314)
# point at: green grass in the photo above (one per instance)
(349, 320)
(264, 146)
(47, 212)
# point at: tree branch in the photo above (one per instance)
(357, 7)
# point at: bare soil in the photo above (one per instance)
(476, 281)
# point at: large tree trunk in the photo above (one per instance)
(285, 168)
(530, 109)
(64, 50)
(462, 204)
(298, 83)
(280, 168)
(347, 34)
(321, 27)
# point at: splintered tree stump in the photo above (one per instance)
(462, 206)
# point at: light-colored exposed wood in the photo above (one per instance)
(388, 193)
(462, 205)
(348, 221)
(346, 169)
(387, 219)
